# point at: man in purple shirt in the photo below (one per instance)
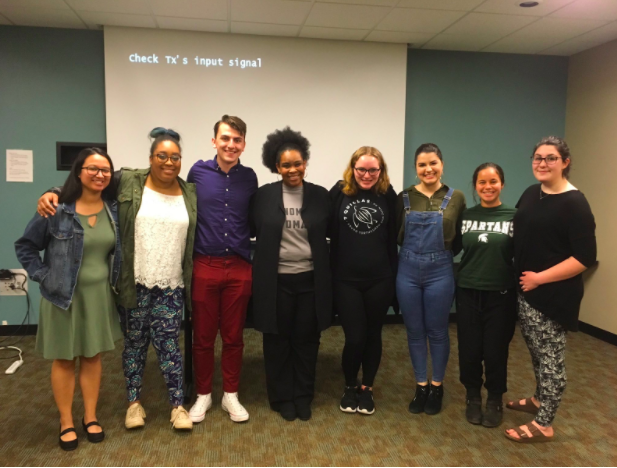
(222, 272)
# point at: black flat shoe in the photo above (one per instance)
(304, 412)
(435, 397)
(419, 400)
(288, 411)
(94, 437)
(494, 414)
(473, 412)
(68, 445)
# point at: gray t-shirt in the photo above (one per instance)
(295, 255)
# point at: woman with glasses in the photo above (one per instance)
(157, 211)
(363, 256)
(428, 220)
(554, 243)
(77, 316)
(292, 288)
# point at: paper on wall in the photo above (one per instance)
(19, 166)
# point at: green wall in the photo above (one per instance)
(481, 107)
(476, 107)
(52, 88)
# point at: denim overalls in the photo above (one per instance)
(425, 288)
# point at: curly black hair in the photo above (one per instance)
(280, 141)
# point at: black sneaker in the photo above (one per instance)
(349, 402)
(473, 412)
(419, 400)
(494, 413)
(433, 402)
(366, 405)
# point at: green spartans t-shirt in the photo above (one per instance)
(488, 249)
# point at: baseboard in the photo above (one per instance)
(598, 333)
(17, 330)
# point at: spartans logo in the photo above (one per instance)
(363, 216)
(483, 238)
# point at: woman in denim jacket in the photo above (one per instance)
(80, 267)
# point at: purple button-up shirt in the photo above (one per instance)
(223, 208)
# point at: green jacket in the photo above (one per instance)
(130, 192)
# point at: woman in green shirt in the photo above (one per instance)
(486, 296)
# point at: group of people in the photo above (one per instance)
(156, 244)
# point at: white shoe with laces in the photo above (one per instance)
(232, 405)
(135, 416)
(202, 404)
(180, 419)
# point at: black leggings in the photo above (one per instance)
(362, 307)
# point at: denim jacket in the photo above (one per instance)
(62, 238)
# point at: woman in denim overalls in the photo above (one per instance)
(428, 216)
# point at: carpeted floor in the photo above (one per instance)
(586, 425)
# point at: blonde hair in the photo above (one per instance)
(349, 184)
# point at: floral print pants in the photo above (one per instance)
(156, 319)
(546, 340)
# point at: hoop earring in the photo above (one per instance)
(305, 175)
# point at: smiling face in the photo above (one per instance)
(362, 171)
(291, 166)
(167, 171)
(549, 173)
(488, 187)
(95, 182)
(229, 144)
(429, 168)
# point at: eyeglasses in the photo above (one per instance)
(93, 170)
(162, 157)
(363, 170)
(550, 160)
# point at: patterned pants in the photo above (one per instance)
(546, 340)
(156, 319)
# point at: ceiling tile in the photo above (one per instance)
(262, 29)
(46, 4)
(521, 46)
(483, 24)
(188, 24)
(469, 42)
(545, 33)
(571, 47)
(589, 9)
(135, 7)
(455, 5)
(585, 41)
(601, 35)
(416, 39)
(333, 33)
(93, 19)
(269, 11)
(208, 9)
(510, 7)
(345, 16)
(43, 18)
(362, 2)
(423, 21)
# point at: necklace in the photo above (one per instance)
(543, 195)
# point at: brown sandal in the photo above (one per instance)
(527, 407)
(536, 435)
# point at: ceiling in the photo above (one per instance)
(554, 27)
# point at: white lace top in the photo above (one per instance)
(160, 240)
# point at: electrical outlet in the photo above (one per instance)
(4, 322)
(12, 286)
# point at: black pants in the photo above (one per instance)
(485, 322)
(290, 356)
(362, 307)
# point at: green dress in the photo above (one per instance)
(90, 325)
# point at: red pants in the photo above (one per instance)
(221, 292)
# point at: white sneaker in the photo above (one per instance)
(135, 416)
(199, 408)
(180, 419)
(236, 411)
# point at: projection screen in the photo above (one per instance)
(340, 94)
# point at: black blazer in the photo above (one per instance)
(267, 217)
(337, 197)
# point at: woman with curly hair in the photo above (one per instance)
(292, 291)
(363, 255)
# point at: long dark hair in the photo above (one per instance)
(71, 190)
